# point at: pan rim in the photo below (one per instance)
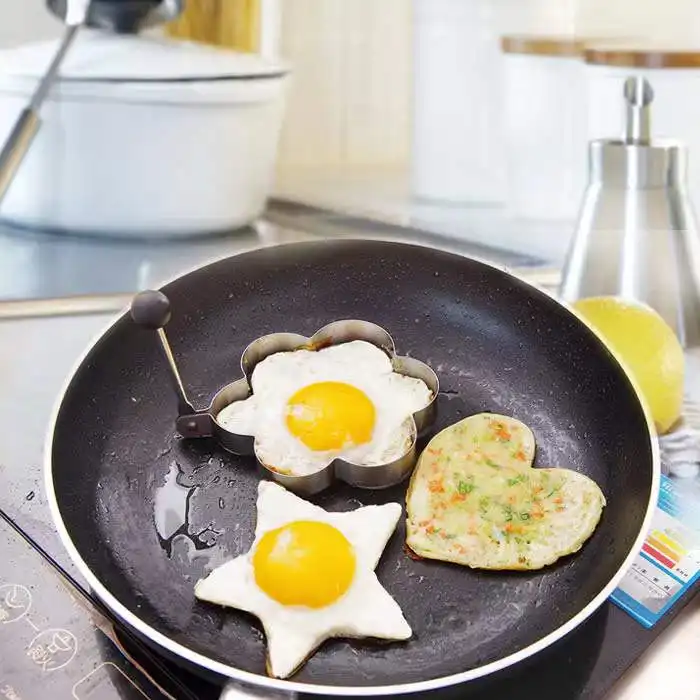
(246, 677)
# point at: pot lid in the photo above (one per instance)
(98, 56)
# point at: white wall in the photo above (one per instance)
(26, 20)
(350, 103)
(662, 21)
(670, 22)
(536, 16)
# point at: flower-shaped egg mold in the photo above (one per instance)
(152, 310)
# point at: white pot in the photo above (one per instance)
(144, 136)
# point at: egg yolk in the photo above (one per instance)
(330, 415)
(304, 563)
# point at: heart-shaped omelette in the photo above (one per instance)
(475, 499)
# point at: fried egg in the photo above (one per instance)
(309, 407)
(309, 576)
(474, 499)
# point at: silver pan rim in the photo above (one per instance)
(264, 682)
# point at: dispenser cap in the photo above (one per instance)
(636, 161)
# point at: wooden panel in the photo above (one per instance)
(642, 56)
(377, 75)
(349, 98)
(312, 40)
(232, 23)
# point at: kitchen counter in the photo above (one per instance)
(41, 337)
(35, 266)
(384, 194)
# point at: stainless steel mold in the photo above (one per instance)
(151, 310)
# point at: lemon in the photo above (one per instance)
(649, 348)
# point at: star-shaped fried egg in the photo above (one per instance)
(309, 576)
(309, 407)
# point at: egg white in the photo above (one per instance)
(294, 632)
(395, 397)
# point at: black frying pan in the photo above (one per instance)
(497, 345)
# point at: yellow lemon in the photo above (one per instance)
(648, 346)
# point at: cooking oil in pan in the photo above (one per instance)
(171, 513)
(170, 505)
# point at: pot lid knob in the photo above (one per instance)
(122, 16)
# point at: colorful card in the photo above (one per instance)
(669, 563)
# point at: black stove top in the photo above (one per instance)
(57, 641)
(54, 638)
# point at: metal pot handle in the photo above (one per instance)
(238, 691)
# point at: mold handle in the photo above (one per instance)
(151, 310)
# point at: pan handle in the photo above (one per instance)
(238, 691)
(151, 310)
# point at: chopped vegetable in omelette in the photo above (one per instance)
(474, 499)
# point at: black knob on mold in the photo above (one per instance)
(151, 309)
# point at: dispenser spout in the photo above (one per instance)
(638, 96)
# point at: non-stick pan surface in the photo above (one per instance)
(497, 345)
